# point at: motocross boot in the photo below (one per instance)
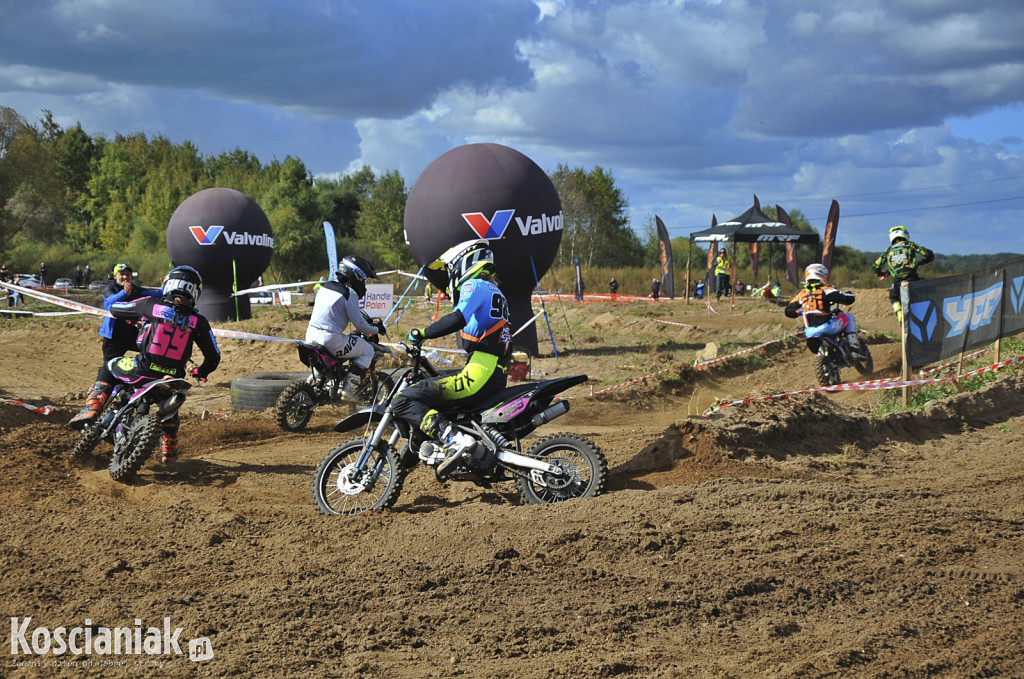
(169, 442)
(856, 346)
(168, 449)
(457, 445)
(94, 403)
(350, 389)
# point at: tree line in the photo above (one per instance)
(68, 197)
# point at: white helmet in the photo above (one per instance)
(816, 272)
(463, 262)
(898, 231)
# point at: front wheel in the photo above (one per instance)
(583, 470)
(295, 406)
(826, 370)
(134, 442)
(340, 487)
(86, 442)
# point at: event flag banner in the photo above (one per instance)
(792, 275)
(753, 259)
(668, 285)
(332, 252)
(946, 316)
(579, 280)
(831, 225)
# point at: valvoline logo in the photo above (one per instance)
(493, 228)
(209, 235)
(205, 236)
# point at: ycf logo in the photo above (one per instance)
(499, 221)
(969, 311)
(209, 236)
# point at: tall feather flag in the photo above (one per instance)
(668, 286)
(332, 251)
(791, 268)
(753, 259)
(830, 235)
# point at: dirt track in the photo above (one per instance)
(800, 537)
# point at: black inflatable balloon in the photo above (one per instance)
(495, 192)
(219, 232)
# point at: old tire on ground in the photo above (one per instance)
(260, 391)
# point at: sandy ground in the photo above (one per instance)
(795, 537)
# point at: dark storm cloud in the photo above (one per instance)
(348, 59)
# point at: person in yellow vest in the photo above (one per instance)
(723, 274)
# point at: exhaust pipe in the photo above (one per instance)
(554, 410)
(171, 405)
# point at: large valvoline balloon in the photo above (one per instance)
(495, 192)
(222, 233)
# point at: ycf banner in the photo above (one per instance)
(946, 316)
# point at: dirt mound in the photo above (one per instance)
(805, 536)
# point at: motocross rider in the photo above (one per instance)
(335, 306)
(170, 324)
(900, 260)
(814, 302)
(481, 317)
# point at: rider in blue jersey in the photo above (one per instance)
(481, 318)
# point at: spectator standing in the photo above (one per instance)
(120, 336)
(88, 275)
(613, 287)
(78, 276)
(42, 274)
(723, 268)
(655, 288)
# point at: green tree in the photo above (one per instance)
(380, 225)
(595, 227)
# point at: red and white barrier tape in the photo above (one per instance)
(629, 382)
(42, 410)
(700, 366)
(682, 325)
(869, 385)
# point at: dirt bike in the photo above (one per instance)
(327, 377)
(835, 353)
(368, 472)
(131, 422)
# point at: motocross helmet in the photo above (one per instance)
(354, 270)
(182, 286)
(897, 232)
(463, 262)
(816, 274)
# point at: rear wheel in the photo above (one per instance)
(339, 487)
(134, 442)
(582, 470)
(295, 406)
(864, 364)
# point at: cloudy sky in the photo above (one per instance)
(905, 111)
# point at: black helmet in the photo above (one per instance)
(354, 270)
(183, 285)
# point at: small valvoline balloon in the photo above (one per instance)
(221, 233)
(495, 192)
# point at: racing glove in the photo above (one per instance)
(416, 337)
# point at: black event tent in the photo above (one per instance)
(753, 226)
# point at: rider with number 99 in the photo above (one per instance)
(481, 317)
(170, 325)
